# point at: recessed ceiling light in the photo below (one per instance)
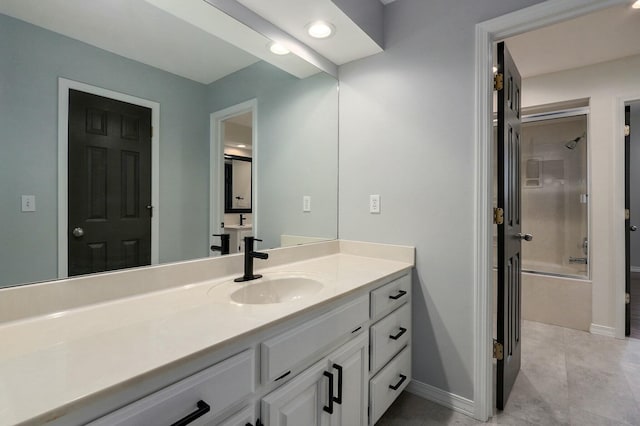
(241, 146)
(278, 49)
(636, 5)
(320, 29)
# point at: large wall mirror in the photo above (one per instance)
(115, 118)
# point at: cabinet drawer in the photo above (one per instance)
(219, 386)
(387, 385)
(389, 335)
(388, 297)
(283, 352)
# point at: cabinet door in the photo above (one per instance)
(351, 367)
(299, 402)
(244, 417)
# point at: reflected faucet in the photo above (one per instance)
(223, 248)
(249, 255)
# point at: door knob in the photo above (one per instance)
(78, 232)
(633, 228)
(526, 237)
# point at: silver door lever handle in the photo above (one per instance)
(633, 228)
(78, 232)
(526, 237)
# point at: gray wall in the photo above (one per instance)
(635, 183)
(407, 133)
(297, 148)
(32, 60)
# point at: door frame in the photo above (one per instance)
(488, 32)
(216, 165)
(64, 85)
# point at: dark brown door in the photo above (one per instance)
(109, 184)
(627, 222)
(509, 232)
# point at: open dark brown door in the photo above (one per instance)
(509, 232)
(109, 184)
(627, 222)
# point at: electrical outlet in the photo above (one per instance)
(28, 203)
(306, 203)
(374, 203)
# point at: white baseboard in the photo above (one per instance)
(446, 399)
(635, 269)
(602, 330)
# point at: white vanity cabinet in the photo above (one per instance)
(390, 344)
(333, 392)
(197, 400)
(342, 366)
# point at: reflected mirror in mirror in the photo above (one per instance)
(110, 156)
(237, 184)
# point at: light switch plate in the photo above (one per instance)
(306, 203)
(374, 203)
(28, 203)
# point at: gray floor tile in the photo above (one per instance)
(568, 377)
(605, 393)
(585, 418)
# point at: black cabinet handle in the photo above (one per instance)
(283, 376)
(397, 385)
(258, 423)
(329, 408)
(399, 295)
(338, 399)
(400, 333)
(203, 408)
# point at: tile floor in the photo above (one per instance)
(568, 377)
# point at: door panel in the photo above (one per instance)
(109, 173)
(509, 233)
(627, 222)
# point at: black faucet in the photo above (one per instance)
(249, 255)
(223, 248)
(242, 219)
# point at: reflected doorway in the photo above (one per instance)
(233, 195)
(109, 184)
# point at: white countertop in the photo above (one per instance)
(51, 363)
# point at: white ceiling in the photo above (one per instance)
(602, 36)
(136, 30)
(187, 37)
(348, 43)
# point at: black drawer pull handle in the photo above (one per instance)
(203, 408)
(357, 329)
(399, 295)
(329, 408)
(283, 376)
(400, 333)
(338, 399)
(397, 385)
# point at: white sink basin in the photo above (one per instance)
(278, 289)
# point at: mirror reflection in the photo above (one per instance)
(111, 155)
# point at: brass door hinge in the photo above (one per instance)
(498, 216)
(498, 351)
(627, 130)
(627, 214)
(627, 298)
(498, 81)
